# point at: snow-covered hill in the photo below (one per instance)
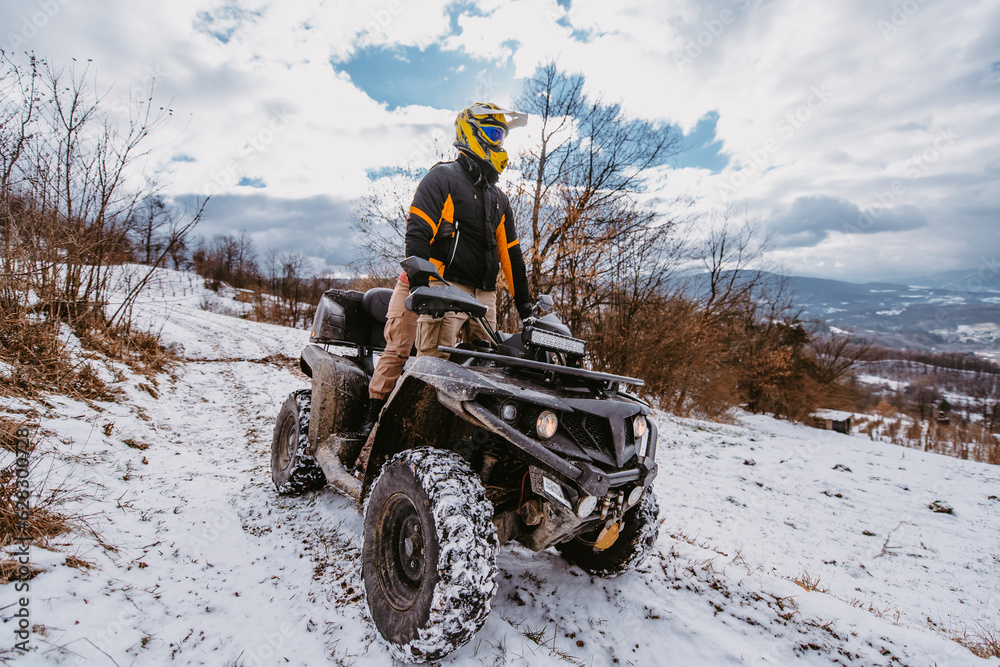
(195, 560)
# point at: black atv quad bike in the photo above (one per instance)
(509, 439)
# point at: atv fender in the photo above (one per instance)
(339, 393)
(421, 409)
(429, 396)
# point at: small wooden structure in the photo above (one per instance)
(833, 420)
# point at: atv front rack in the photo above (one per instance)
(583, 373)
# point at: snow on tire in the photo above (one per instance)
(293, 470)
(429, 559)
(639, 532)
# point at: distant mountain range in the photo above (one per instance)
(953, 311)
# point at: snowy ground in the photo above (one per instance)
(199, 562)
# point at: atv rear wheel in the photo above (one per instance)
(293, 470)
(429, 558)
(640, 530)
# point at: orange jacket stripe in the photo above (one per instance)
(447, 215)
(416, 211)
(504, 255)
(448, 210)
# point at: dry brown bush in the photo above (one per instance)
(44, 520)
(8, 433)
(9, 571)
(139, 350)
(886, 409)
(684, 360)
(38, 361)
(983, 641)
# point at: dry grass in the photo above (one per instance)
(40, 362)
(806, 582)
(140, 350)
(8, 434)
(983, 641)
(135, 444)
(9, 572)
(44, 521)
(79, 563)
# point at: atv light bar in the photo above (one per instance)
(556, 342)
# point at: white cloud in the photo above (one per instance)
(848, 100)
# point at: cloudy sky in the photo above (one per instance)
(864, 133)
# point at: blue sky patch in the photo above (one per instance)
(458, 9)
(246, 181)
(702, 146)
(403, 76)
(376, 173)
(223, 22)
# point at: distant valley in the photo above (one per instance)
(955, 312)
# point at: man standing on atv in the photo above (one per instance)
(463, 224)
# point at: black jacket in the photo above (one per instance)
(463, 224)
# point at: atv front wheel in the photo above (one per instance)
(293, 470)
(640, 530)
(429, 559)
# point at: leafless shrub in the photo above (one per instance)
(70, 202)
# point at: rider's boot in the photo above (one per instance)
(375, 406)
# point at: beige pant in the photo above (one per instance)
(444, 331)
(400, 332)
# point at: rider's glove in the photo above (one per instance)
(524, 310)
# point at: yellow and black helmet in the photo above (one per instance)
(481, 129)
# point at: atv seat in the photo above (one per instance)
(376, 305)
(351, 317)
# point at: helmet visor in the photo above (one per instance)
(494, 133)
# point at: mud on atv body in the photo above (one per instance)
(473, 421)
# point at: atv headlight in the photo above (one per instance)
(586, 506)
(641, 429)
(635, 496)
(639, 426)
(553, 341)
(508, 411)
(546, 424)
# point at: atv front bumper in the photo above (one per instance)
(586, 477)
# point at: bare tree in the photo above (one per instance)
(70, 190)
(378, 220)
(150, 217)
(581, 186)
(379, 226)
(245, 258)
(838, 354)
(737, 275)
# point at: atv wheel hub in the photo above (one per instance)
(402, 557)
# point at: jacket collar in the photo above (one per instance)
(476, 170)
